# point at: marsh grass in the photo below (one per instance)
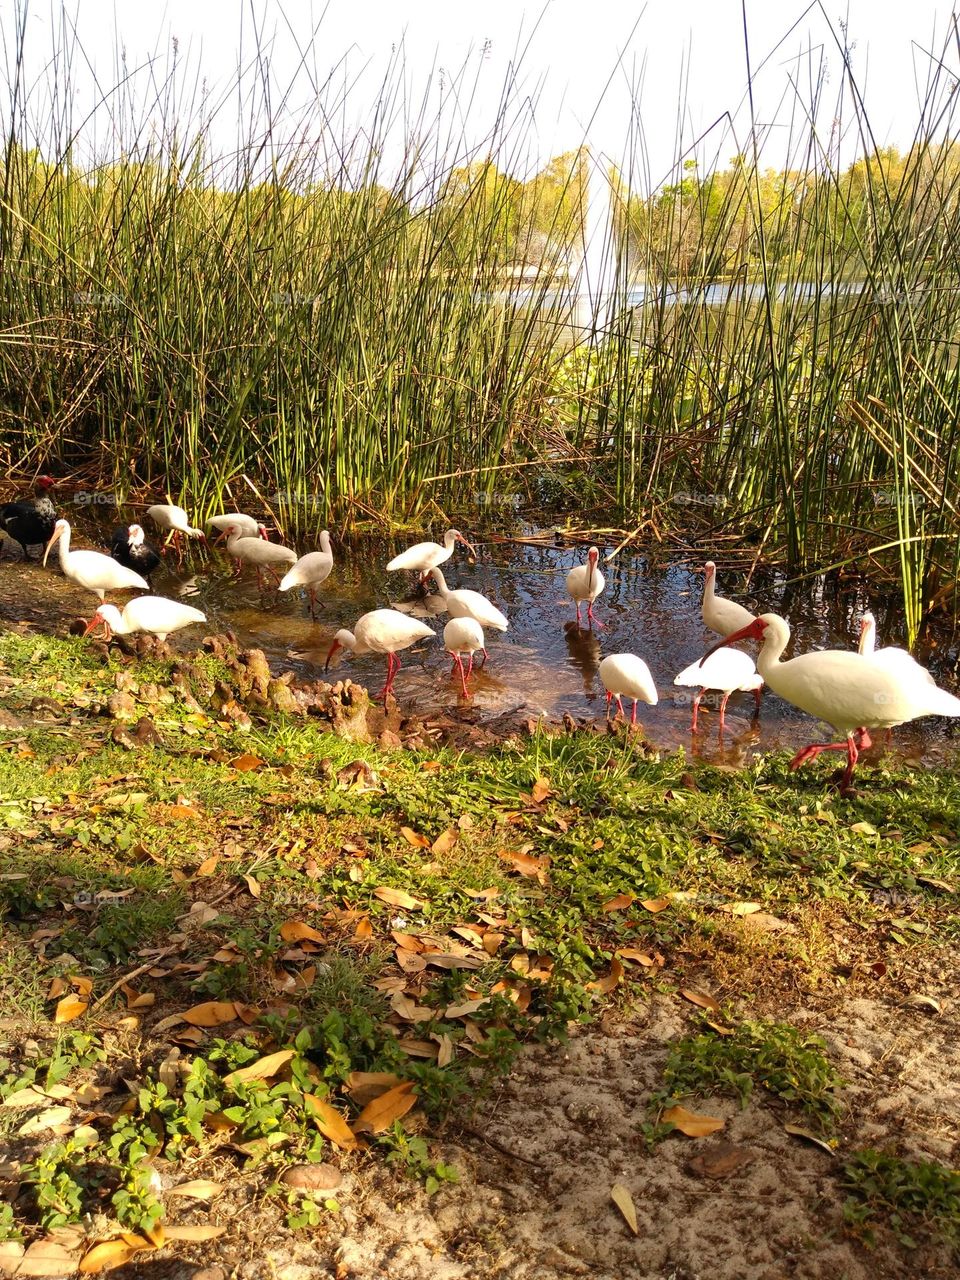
(330, 329)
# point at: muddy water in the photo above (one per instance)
(543, 665)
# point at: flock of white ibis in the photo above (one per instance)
(853, 691)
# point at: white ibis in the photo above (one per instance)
(463, 603)
(585, 582)
(91, 570)
(154, 614)
(248, 526)
(129, 547)
(28, 521)
(258, 552)
(728, 671)
(624, 675)
(311, 571)
(176, 522)
(889, 656)
(425, 556)
(382, 631)
(720, 615)
(852, 693)
(463, 636)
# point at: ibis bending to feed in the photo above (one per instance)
(175, 521)
(889, 656)
(727, 670)
(382, 631)
(154, 614)
(427, 555)
(463, 636)
(585, 582)
(92, 570)
(470, 604)
(30, 522)
(624, 675)
(852, 693)
(248, 526)
(129, 547)
(720, 615)
(258, 552)
(311, 571)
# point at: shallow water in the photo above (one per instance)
(543, 665)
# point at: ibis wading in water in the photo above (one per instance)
(850, 692)
(727, 670)
(720, 615)
(154, 614)
(31, 522)
(463, 603)
(585, 582)
(176, 522)
(92, 570)
(382, 631)
(463, 636)
(248, 526)
(311, 571)
(427, 555)
(624, 675)
(258, 552)
(129, 547)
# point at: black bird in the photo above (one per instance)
(31, 523)
(129, 547)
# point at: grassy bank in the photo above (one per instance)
(241, 951)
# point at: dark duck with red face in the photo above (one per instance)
(129, 547)
(30, 523)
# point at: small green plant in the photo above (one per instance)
(57, 1181)
(412, 1155)
(136, 1204)
(778, 1057)
(914, 1197)
(8, 1226)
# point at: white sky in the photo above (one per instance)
(566, 52)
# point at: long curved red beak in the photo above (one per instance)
(752, 631)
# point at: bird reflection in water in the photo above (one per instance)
(584, 650)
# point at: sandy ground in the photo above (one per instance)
(572, 1120)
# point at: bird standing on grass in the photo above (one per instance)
(382, 631)
(30, 522)
(91, 570)
(154, 614)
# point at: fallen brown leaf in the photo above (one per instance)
(622, 1198)
(700, 998)
(380, 1114)
(693, 1125)
(297, 931)
(212, 1013)
(720, 1160)
(655, 904)
(246, 763)
(330, 1122)
(413, 837)
(397, 898)
(68, 1008)
(262, 1069)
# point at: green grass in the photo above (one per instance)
(917, 1199)
(555, 884)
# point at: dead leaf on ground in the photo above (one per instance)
(246, 763)
(619, 903)
(69, 1007)
(606, 984)
(413, 837)
(720, 1160)
(690, 1123)
(379, 1115)
(445, 841)
(622, 1198)
(262, 1069)
(204, 1231)
(540, 790)
(197, 1189)
(44, 1121)
(700, 998)
(297, 931)
(741, 908)
(182, 811)
(798, 1131)
(655, 904)
(312, 1177)
(397, 898)
(364, 1086)
(636, 955)
(47, 1258)
(212, 1013)
(525, 864)
(330, 1122)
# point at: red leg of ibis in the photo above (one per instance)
(811, 752)
(633, 713)
(609, 700)
(456, 660)
(620, 710)
(757, 695)
(696, 710)
(484, 652)
(852, 757)
(577, 603)
(463, 678)
(723, 706)
(312, 597)
(863, 739)
(470, 665)
(594, 622)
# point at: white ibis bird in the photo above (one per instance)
(248, 526)
(258, 552)
(889, 656)
(463, 636)
(585, 582)
(463, 603)
(720, 615)
(382, 631)
(852, 693)
(311, 571)
(728, 671)
(154, 614)
(129, 547)
(28, 521)
(91, 570)
(624, 675)
(176, 522)
(425, 556)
